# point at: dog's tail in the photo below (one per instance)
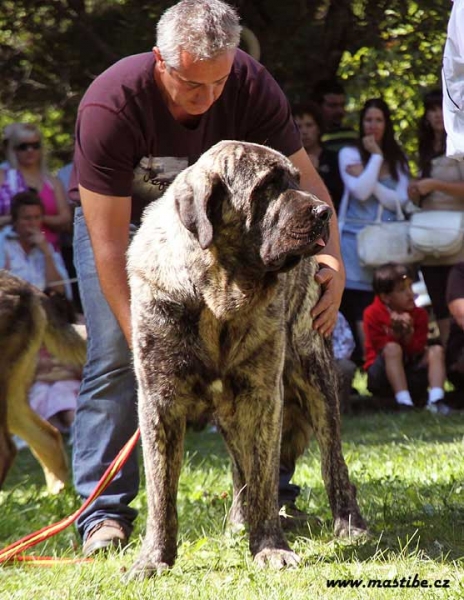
(61, 338)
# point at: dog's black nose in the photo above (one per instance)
(322, 212)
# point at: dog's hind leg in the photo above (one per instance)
(7, 447)
(252, 434)
(324, 415)
(44, 440)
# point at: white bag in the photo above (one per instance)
(437, 232)
(387, 241)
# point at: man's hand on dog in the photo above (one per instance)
(325, 312)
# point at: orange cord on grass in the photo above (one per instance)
(12, 551)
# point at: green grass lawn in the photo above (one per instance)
(409, 471)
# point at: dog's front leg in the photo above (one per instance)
(252, 434)
(162, 432)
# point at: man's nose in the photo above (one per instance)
(207, 94)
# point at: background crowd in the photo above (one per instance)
(370, 179)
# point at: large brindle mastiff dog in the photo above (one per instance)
(222, 285)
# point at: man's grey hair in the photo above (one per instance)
(203, 28)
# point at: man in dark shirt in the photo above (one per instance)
(140, 122)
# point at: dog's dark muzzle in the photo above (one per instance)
(303, 230)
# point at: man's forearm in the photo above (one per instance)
(108, 219)
(311, 182)
(331, 256)
(111, 268)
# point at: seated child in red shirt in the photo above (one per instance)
(399, 363)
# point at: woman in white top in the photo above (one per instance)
(375, 174)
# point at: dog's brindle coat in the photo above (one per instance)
(28, 320)
(222, 287)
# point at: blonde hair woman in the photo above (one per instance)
(28, 170)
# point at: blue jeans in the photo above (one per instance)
(106, 414)
(288, 492)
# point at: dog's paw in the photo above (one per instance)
(56, 479)
(351, 529)
(54, 485)
(276, 558)
(143, 569)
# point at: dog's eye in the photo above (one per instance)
(274, 180)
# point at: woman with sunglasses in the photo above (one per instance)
(28, 170)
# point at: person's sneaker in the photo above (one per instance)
(439, 408)
(104, 536)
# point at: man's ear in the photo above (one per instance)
(161, 65)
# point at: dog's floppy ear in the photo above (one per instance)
(192, 197)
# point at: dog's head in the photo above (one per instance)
(246, 198)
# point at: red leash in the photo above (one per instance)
(12, 551)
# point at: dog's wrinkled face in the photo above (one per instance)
(295, 223)
(245, 198)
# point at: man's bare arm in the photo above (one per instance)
(332, 273)
(108, 220)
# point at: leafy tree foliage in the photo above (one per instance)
(50, 50)
(402, 65)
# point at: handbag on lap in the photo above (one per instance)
(437, 232)
(387, 241)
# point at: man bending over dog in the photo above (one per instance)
(139, 124)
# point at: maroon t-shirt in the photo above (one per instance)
(128, 143)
